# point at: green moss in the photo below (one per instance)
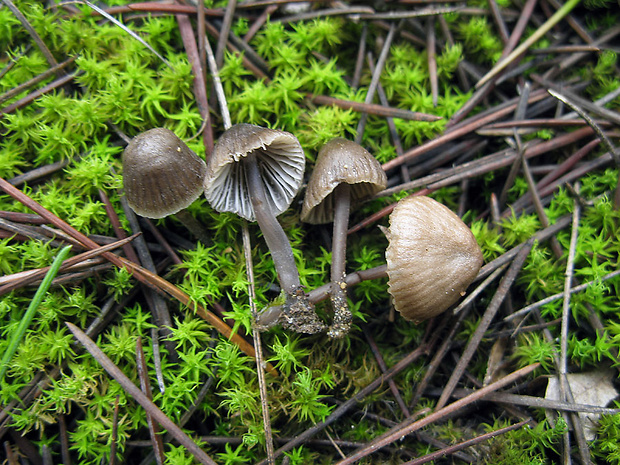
(120, 82)
(537, 445)
(479, 39)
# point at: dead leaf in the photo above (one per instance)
(590, 388)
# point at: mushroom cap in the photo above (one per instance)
(161, 175)
(340, 161)
(432, 258)
(281, 162)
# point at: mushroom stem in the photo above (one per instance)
(342, 203)
(321, 293)
(271, 315)
(193, 226)
(275, 237)
(342, 315)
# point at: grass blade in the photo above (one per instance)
(32, 308)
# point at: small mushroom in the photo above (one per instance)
(256, 172)
(162, 176)
(344, 172)
(432, 258)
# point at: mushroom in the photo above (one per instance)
(162, 176)
(256, 172)
(344, 172)
(432, 258)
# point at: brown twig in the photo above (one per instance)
(143, 275)
(259, 22)
(404, 429)
(35, 36)
(345, 406)
(374, 81)
(114, 435)
(28, 99)
(139, 396)
(487, 318)
(200, 88)
(224, 30)
(470, 442)
(432, 59)
(458, 131)
(359, 62)
(35, 80)
(156, 441)
(393, 388)
(32, 276)
(373, 108)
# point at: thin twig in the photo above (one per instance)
(404, 429)
(539, 402)
(361, 53)
(262, 385)
(432, 58)
(217, 84)
(249, 268)
(116, 22)
(345, 406)
(568, 278)
(35, 80)
(459, 130)
(141, 274)
(200, 86)
(374, 82)
(226, 24)
(373, 108)
(560, 295)
(139, 396)
(114, 438)
(392, 15)
(470, 442)
(383, 367)
(33, 33)
(531, 40)
(154, 432)
(31, 276)
(487, 318)
(36, 94)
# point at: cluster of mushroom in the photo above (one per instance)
(256, 173)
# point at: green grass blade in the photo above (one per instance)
(17, 336)
(537, 35)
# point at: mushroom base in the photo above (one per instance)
(341, 323)
(296, 313)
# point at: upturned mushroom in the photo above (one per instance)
(256, 172)
(162, 177)
(344, 172)
(432, 258)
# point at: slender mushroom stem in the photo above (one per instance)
(193, 226)
(297, 313)
(342, 315)
(342, 203)
(275, 237)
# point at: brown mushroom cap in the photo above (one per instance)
(432, 258)
(340, 161)
(161, 175)
(281, 162)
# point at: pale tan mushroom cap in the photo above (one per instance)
(161, 175)
(340, 161)
(432, 258)
(281, 162)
